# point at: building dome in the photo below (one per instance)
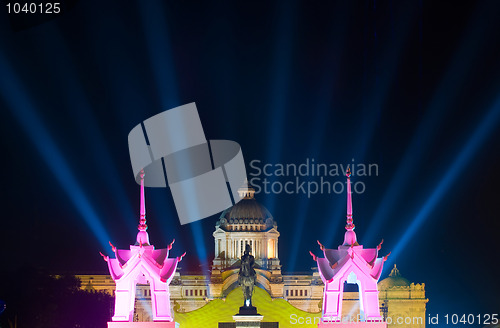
(394, 280)
(246, 215)
(247, 209)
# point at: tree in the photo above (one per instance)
(36, 299)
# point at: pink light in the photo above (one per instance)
(142, 264)
(350, 263)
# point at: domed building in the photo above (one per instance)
(401, 299)
(246, 223)
(394, 280)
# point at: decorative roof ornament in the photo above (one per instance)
(142, 220)
(395, 272)
(350, 238)
(349, 225)
(142, 235)
(247, 191)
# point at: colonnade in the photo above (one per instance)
(235, 247)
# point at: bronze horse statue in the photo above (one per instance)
(247, 276)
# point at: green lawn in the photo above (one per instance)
(222, 311)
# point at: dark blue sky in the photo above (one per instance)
(411, 86)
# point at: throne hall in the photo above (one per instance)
(250, 223)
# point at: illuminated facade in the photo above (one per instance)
(248, 222)
(401, 301)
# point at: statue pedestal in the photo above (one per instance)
(247, 310)
(157, 324)
(248, 317)
(252, 320)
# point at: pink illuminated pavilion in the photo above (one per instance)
(350, 263)
(142, 264)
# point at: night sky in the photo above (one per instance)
(413, 87)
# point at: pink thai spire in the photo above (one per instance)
(350, 235)
(142, 235)
(142, 225)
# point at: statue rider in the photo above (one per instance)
(247, 276)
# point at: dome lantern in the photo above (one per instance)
(246, 192)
